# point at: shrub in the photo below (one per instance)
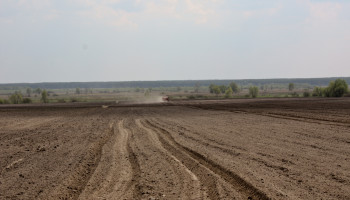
(199, 96)
(73, 99)
(291, 86)
(191, 97)
(294, 94)
(234, 87)
(253, 91)
(306, 93)
(44, 98)
(1, 101)
(27, 100)
(147, 93)
(228, 92)
(211, 88)
(6, 101)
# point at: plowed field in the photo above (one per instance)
(234, 149)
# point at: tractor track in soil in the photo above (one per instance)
(195, 185)
(246, 190)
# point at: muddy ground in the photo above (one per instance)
(233, 149)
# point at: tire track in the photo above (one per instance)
(197, 192)
(213, 143)
(136, 171)
(207, 179)
(247, 190)
(117, 173)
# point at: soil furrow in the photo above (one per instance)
(196, 190)
(247, 190)
(76, 183)
(280, 116)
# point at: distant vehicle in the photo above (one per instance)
(165, 98)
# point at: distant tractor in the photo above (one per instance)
(165, 98)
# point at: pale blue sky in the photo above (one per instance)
(120, 40)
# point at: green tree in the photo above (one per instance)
(216, 90)
(291, 86)
(234, 87)
(253, 91)
(317, 92)
(222, 88)
(77, 90)
(211, 88)
(1, 101)
(337, 88)
(16, 98)
(44, 98)
(229, 92)
(29, 91)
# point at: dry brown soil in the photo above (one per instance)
(234, 149)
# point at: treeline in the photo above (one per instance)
(180, 83)
(336, 88)
(231, 89)
(17, 97)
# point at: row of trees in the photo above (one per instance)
(17, 98)
(337, 88)
(223, 89)
(30, 91)
(232, 88)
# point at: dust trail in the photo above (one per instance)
(152, 99)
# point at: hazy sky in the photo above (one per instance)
(119, 40)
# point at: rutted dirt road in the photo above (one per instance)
(239, 149)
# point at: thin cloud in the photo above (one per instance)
(325, 10)
(109, 16)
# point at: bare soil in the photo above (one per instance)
(232, 149)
